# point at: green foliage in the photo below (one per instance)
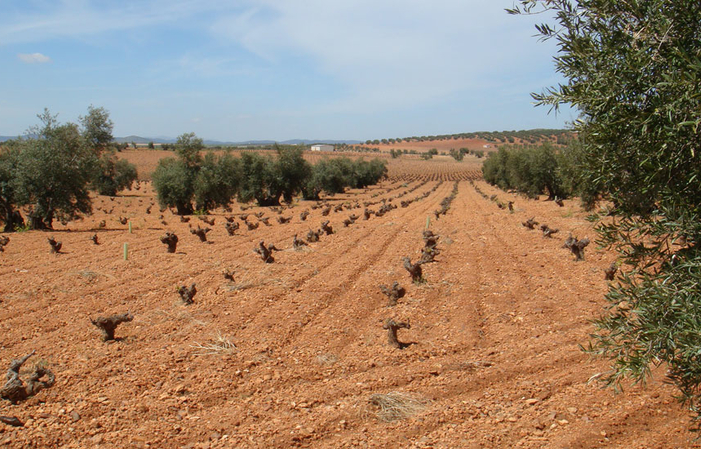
(266, 179)
(530, 170)
(258, 180)
(188, 147)
(457, 154)
(96, 128)
(112, 175)
(292, 171)
(151, 146)
(9, 159)
(21, 227)
(217, 181)
(329, 175)
(633, 71)
(210, 182)
(173, 182)
(368, 173)
(54, 171)
(335, 175)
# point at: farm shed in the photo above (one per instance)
(322, 147)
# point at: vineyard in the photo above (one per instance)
(419, 312)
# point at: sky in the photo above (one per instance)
(276, 69)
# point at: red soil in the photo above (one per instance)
(496, 330)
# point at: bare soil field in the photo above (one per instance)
(294, 353)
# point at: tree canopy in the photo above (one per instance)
(52, 170)
(633, 71)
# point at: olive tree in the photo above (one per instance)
(53, 172)
(210, 181)
(266, 179)
(96, 128)
(9, 214)
(174, 179)
(633, 71)
(217, 181)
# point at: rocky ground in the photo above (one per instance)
(293, 353)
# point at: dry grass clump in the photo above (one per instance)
(394, 406)
(220, 345)
(327, 359)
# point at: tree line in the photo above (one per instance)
(48, 174)
(540, 169)
(190, 181)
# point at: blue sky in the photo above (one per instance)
(275, 69)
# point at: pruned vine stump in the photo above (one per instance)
(201, 233)
(392, 326)
(326, 227)
(610, 272)
(171, 240)
(530, 223)
(187, 294)
(16, 390)
(55, 246)
(393, 293)
(298, 244)
(414, 270)
(107, 325)
(576, 246)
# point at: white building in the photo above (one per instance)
(322, 147)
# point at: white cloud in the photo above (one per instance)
(39, 20)
(388, 54)
(33, 58)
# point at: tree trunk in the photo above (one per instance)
(14, 219)
(184, 209)
(265, 201)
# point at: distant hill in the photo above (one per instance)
(482, 140)
(146, 140)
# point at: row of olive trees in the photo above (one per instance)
(536, 170)
(192, 182)
(51, 171)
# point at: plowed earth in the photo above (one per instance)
(493, 357)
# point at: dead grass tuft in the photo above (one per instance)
(327, 359)
(220, 345)
(394, 406)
